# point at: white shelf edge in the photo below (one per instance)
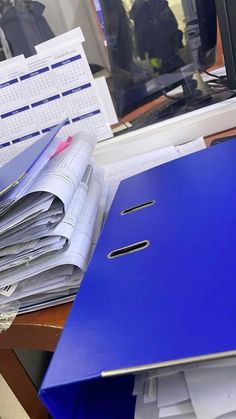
(177, 130)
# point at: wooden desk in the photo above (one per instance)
(227, 133)
(39, 330)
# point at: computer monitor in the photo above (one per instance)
(226, 11)
(157, 45)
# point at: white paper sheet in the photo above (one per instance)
(44, 300)
(55, 239)
(125, 168)
(139, 384)
(231, 415)
(106, 99)
(62, 174)
(58, 279)
(212, 391)
(68, 224)
(8, 290)
(225, 362)
(191, 147)
(145, 410)
(76, 86)
(45, 247)
(172, 389)
(78, 252)
(69, 36)
(37, 227)
(176, 409)
(17, 249)
(185, 416)
(48, 302)
(29, 208)
(150, 390)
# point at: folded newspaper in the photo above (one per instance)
(48, 226)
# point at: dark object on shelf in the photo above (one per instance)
(222, 140)
(226, 10)
(169, 108)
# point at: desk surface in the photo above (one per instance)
(38, 330)
(53, 319)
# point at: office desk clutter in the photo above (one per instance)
(50, 218)
(47, 223)
(50, 189)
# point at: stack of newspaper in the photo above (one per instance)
(47, 224)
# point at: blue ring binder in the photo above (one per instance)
(170, 304)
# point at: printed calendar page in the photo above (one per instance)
(70, 72)
(39, 92)
(20, 123)
(12, 95)
(3, 136)
(49, 112)
(38, 84)
(76, 85)
(80, 100)
(92, 122)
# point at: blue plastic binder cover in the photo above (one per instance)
(17, 168)
(170, 303)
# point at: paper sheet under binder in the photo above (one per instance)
(203, 390)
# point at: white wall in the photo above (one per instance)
(54, 16)
(63, 15)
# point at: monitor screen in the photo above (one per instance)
(155, 46)
(226, 10)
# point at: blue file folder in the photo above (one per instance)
(169, 303)
(16, 169)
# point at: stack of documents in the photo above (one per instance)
(48, 220)
(197, 391)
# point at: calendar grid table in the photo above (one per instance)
(19, 122)
(39, 92)
(39, 84)
(80, 99)
(68, 72)
(49, 111)
(11, 95)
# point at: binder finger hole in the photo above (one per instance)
(138, 207)
(136, 247)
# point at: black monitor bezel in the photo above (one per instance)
(227, 41)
